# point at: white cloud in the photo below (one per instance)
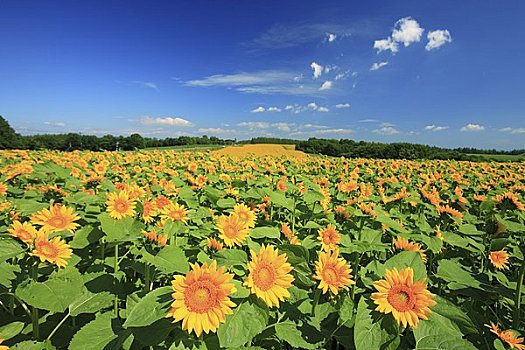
(57, 124)
(274, 109)
(330, 37)
(259, 109)
(407, 31)
(386, 130)
(165, 121)
(378, 65)
(368, 121)
(327, 85)
(146, 84)
(255, 125)
(386, 124)
(334, 131)
(283, 126)
(312, 105)
(437, 38)
(343, 105)
(288, 107)
(344, 75)
(215, 131)
(513, 130)
(243, 79)
(473, 127)
(435, 128)
(385, 44)
(323, 109)
(314, 126)
(317, 69)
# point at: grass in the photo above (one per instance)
(188, 148)
(500, 157)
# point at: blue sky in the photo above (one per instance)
(445, 73)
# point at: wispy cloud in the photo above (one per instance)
(327, 85)
(377, 66)
(437, 38)
(369, 120)
(513, 130)
(435, 128)
(273, 109)
(472, 128)
(259, 109)
(216, 131)
(343, 105)
(146, 84)
(56, 124)
(165, 121)
(254, 125)
(386, 130)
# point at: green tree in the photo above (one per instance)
(8, 137)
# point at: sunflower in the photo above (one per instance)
(329, 238)
(56, 218)
(175, 212)
(232, 230)
(3, 189)
(149, 210)
(399, 295)
(269, 276)
(332, 272)
(56, 250)
(404, 244)
(499, 259)
(287, 232)
(120, 205)
(245, 214)
(3, 347)
(508, 336)
(23, 231)
(201, 298)
(214, 244)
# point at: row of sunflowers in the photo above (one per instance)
(169, 250)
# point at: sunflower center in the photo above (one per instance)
(57, 221)
(48, 249)
(401, 298)
(231, 230)
(24, 235)
(201, 296)
(264, 276)
(177, 215)
(330, 275)
(121, 206)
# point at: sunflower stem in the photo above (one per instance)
(115, 269)
(517, 302)
(147, 277)
(34, 310)
(317, 295)
(57, 326)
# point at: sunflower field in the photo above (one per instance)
(192, 250)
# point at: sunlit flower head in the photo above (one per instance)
(175, 212)
(398, 294)
(287, 232)
(54, 250)
(201, 298)
(23, 231)
(214, 244)
(149, 211)
(499, 259)
(56, 218)
(508, 336)
(3, 347)
(245, 214)
(329, 238)
(404, 244)
(269, 275)
(232, 230)
(332, 272)
(120, 205)
(3, 189)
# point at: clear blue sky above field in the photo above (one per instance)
(447, 73)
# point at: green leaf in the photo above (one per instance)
(312, 196)
(11, 330)
(8, 273)
(97, 334)
(231, 257)
(154, 333)
(447, 309)
(439, 332)
(373, 330)
(279, 199)
(408, 259)
(226, 203)
(90, 303)
(289, 332)
(246, 322)
(27, 207)
(265, 231)
(389, 222)
(33, 345)
(171, 259)
(153, 307)
(346, 310)
(126, 229)
(9, 248)
(55, 294)
(452, 271)
(85, 236)
(469, 229)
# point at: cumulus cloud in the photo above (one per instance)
(165, 121)
(312, 105)
(378, 65)
(327, 85)
(435, 128)
(407, 31)
(343, 105)
(255, 125)
(386, 130)
(259, 109)
(513, 130)
(283, 126)
(437, 38)
(274, 109)
(386, 44)
(323, 109)
(330, 37)
(317, 69)
(473, 127)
